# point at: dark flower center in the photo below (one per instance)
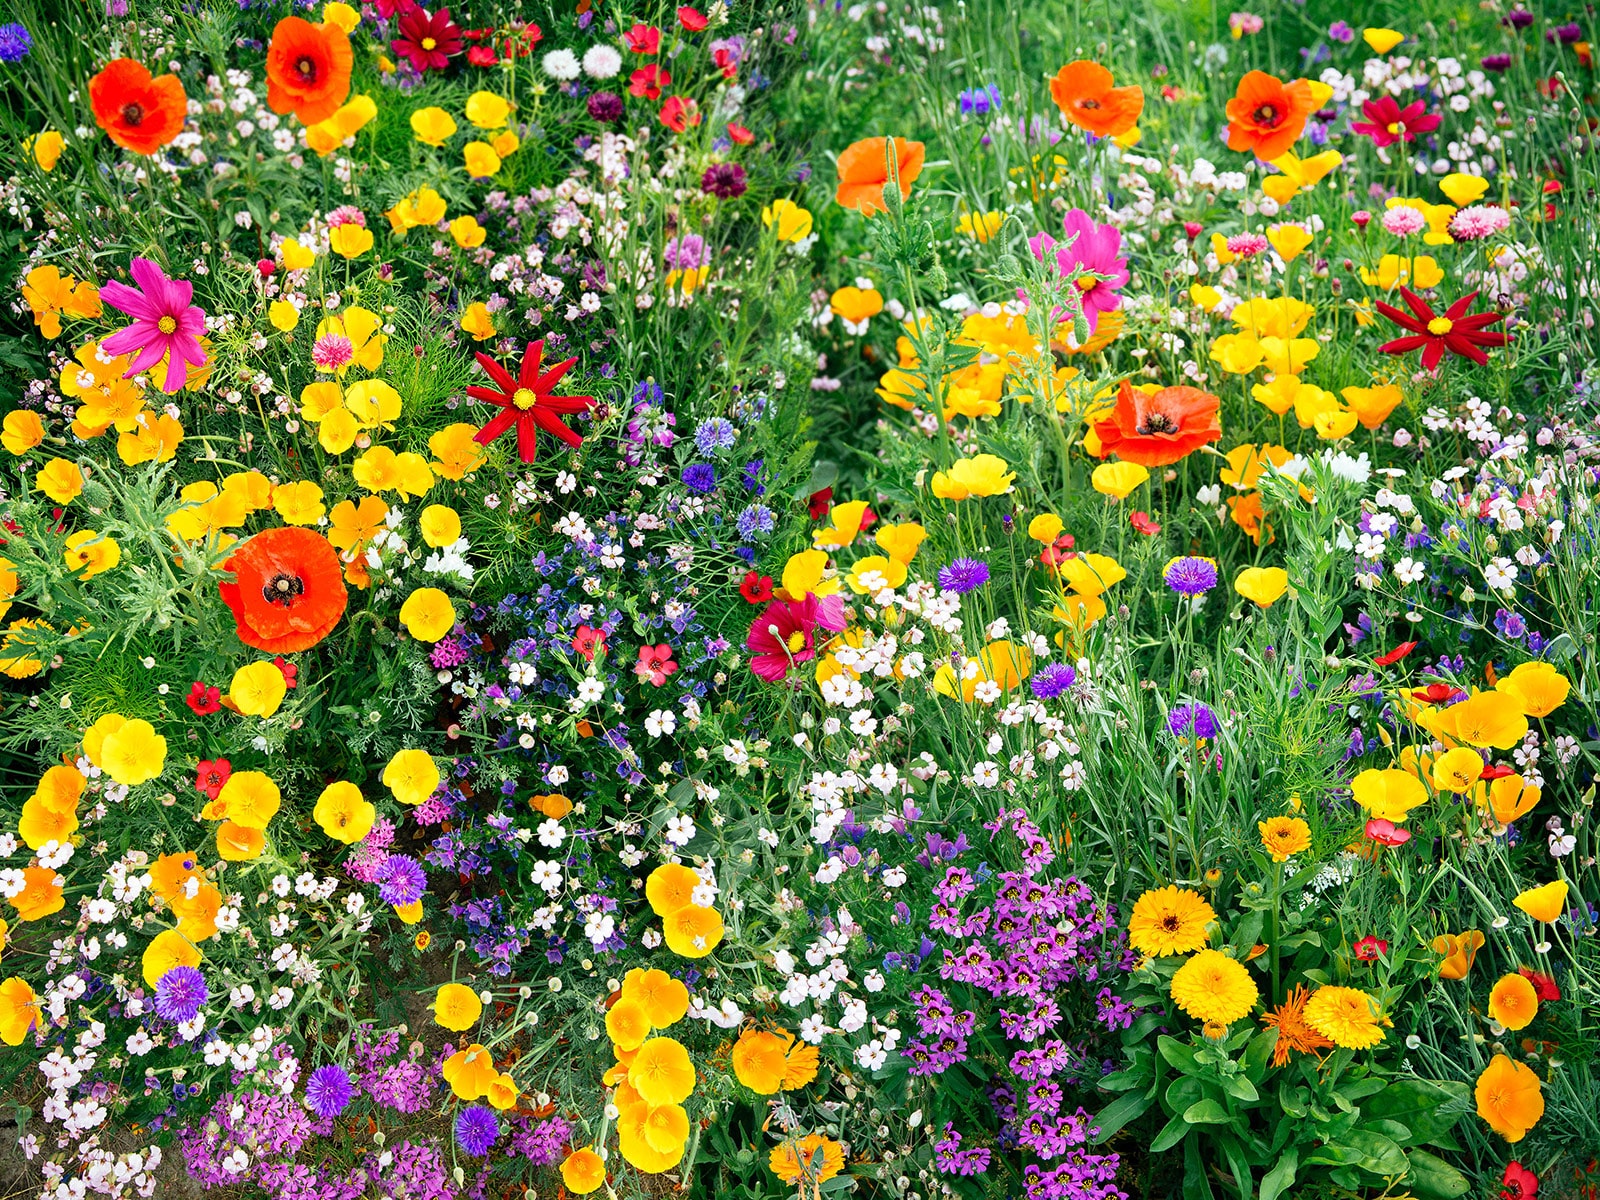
(305, 67)
(1170, 923)
(133, 112)
(1158, 423)
(1266, 114)
(283, 589)
(1088, 102)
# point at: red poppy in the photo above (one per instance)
(289, 672)
(739, 134)
(138, 112)
(727, 62)
(1143, 524)
(692, 19)
(527, 402)
(589, 641)
(1387, 833)
(1518, 1183)
(1371, 948)
(655, 664)
(1436, 693)
(203, 700)
(288, 589)
(648, 81)
(864, 172)
(1388, 123)
(1395, 655)
(308, 69)
(642, 38)
(820, 503)
(756, 589)
(678, 113)
(1267, 115)
(1543, 986)
(1058, 551)
(482, 56)
(1456, 330)
(1154, 431)
(210, 776)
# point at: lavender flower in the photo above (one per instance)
(964, 575)
(329, 1091)
(180, 992)
(1192, 721)
(15, 42)
(401, 880)
(979, 102)
(476, 1129)
(715, 434)
(1191, 576)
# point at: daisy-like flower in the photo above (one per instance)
(1346, 1016)
(1283, 836)
(1169, 920)
(1214, 988)
(1388, 123)
(1294, 1035)
(527, 402)
(1456, 330)
(165, 324)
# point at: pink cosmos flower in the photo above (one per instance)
(165, 324)
(655, 664)
(785, 634)
(1095, 248)
(1388, 123)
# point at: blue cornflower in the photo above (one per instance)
(329, 1091)
(715, 434)
(400, 880)
(757, 519)
(1192, 721)
(964, 575)
(1190, 575)
(476, 1129)
(15, 42)
(700, 478)
(979, 102)
(180, 992)
(1050, 681)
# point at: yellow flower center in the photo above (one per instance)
(524, 398)
(1395, 127)
(428, 43)
(167, 324)
(797, 642)
(1086, 284)
(1440, 326)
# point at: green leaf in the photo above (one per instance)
(1171, 1134)
(1196, 1181)
(1118, 1113)
(1275, 1181)
(1206, 1112)
(1431, 1176)
(1427, 1108)
(1240, 1088)
(1291, 1099)
(1179, 1055)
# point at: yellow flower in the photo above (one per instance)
(427, 614)
(91, 553)
(1389, 794)
(888, 572)
(1457, 770)
(1289, 240)
(441, 525)
(39, 823)
(981, 475)
(166, 950)
(409, 914)
(1345, 1016)
(352, 525)
(470, 1072)
(467, 232)
(477, 322)
(258, 689)
(1264, 585)
(46, 147)
(411, 776)
(1394, 270)
(19, 1010)
(343, 813)
(980, 227)
(791, 222)
(1486, 719)
(1544, 903)
(1382, 40)
(239, 843)
(153, 438)
(327, 136)
(1214, 988)
(1509, 1098)
(1509, 797)
(900, 542)
(813, 1158)
(250, 799)
(1372, 405)
(456, 1007)
(487, 110)
(363, 329)
(432, 126)
(341, 14)
(296, 257)
(661, 1072)
(1463, 189)
(421, 207)
(1169, 920)
(1283, 836)
(21, 432)
(1045, 528)
(480, 159)
(1333, 423)
(61, 480)
(1513, 1002)
(50, 295)
(692, 931)
(1117, 479)
(283, 315)
(456, 451)
(350, 240)
(665, 1000)
(856, 305)
(505, 143)
(298, 503)
(844, 524)
(133, 753)
(1537, 687)
(1090, 574)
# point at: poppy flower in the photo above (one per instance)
(1518, 1183)
(649, 81)
(864, 172)
(1142, 523)
(203, 700)
(756, 589)
(527, 403)
(308, 69)
(1267, 115)
(1395, 655)
(1456, 330)
(1436, 693)
(1388, 123)
(1387, 833)
(138, 112)
(1370, 948)
(678, 113)
(1156, 430)
(427, 40)
(642, 38)
(692, 19)
(819, 503)
(1082, 91)
(785, 634)
(287, 593)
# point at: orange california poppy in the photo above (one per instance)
(1267, 115)
(138, 113)
(308, 69)
(287, 593)
(1082, 91)
(1154, 431)
(863, 172)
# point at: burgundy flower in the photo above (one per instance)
(526, 402)
(725, 181)
(785, 634)
(1456, 330)
(1388, 123)
(604, 107)
(427, 40)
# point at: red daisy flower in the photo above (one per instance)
(1388, 123)
(528, 403)
(1456, 330)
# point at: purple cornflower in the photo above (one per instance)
(964, 575)
(700, 478)
(755, 519)
(979, 102)
(1192, 721)
(329, 1091)
(725, 181)
(1517, 18)
(400, 880)
(476, 1129)
(1190, 575)
(180, 992)
(1051, 681)
(719, 433)
(1340, 31)
(605, 107)
(687, 253)
(15, 42)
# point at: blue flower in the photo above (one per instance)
(700, 478)
(476, 1129)
(756, 519)
(715, 434)
(1192, 721)
(1050, 681)
(329, 1091)
(964, 575)
(1190, 576)
(180, 992)
(400, 880)
(15, 42)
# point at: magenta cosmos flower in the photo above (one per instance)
(427, 40)
(1096, 248)
(1388, 123)
(785, 635)
(165, 324)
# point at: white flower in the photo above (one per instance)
(561, 65)
(680, 829)
(661, 722)
(601, 61)
(812, 1029)
(551, 833)
(1409, 570)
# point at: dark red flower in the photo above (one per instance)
(655, 664)
(203, 700)
(1371, 948)
(289, 672)
(1456, 330)
(757, 589)
(589, 641)
(1518, 1183)
(648, 81)
(1388, 123)
(692, 19)
(1395, 655)
(1543, 986)
(210, 776)
(642, 38)
(427, 40)
(820, 503)
(528, 403)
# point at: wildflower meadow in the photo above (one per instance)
(794, 598)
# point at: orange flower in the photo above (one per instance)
(1154, 431)
(308, 69)
(1294, 1035)
(287, 594)
(1459, 950)
(1267, 115)
(138, 113)
(863, 172)
(1082, 91)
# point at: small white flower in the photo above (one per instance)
(561, 65)
(601, 61)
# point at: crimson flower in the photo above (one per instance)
(756, 589)
(785, 634)
(1395, 655)
(1496, 771)
(819, 503)
(692, 19)
(1388, 123)
(1371, 948)
(203, 700)
(655, 664)
(739, 134)
(1387, 833)
(1142, 523)
(1543, 986)
(210, 776)
(528, 403)
(648, 81)
(1456, 330)
(589, 641)
(288, 670)
(427, 40)
(642, 38)
(1436, 693)
(1518, 1183)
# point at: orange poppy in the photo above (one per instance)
(308, 69)
(863, 172)
(1155, 430)
(1082, 91)
(138, 112)
(287, 593)
(1267, 115)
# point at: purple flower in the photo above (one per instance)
(1340, 31)
(180, 992)
(1190, 576)
(15, 42)
(719, 433)
(1051, 681)
(700, 478)
(1495, 62)
(605, 107)
(165, 324)
(401, 880)
(979, 102)
(964, 575)
(1096, 248)
(476, 1129)
(329, 1091)
(1192, 720)
(725, 181)
(687, 253)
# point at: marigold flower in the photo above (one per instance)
(1284, 836)
(813, 1158)
(1294, 1035)
(1346, 1016)
(1214, 988)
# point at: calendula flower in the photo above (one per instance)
(1346, 1016)
(813, 1159)
(1214, 988)
(1169, 920)
(1284, 836)
(1294, 1035)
